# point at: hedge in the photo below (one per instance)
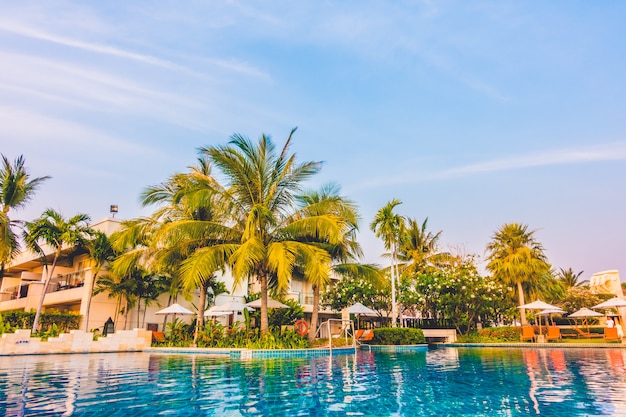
(398, 336)
(65, 321)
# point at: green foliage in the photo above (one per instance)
(218, 336)
(5, 327)
(456, 293)
(278, 317)
(577, 297)
(372, 293)
(492, 335)
(398, 336)
(64, 321)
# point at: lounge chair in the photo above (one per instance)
(358, 334)
(554, 333)
(158, 337)
(528, 333)
(366, 336)
(586, 335)
(610, 333)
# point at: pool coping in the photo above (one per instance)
(540, 345)
(243, 353)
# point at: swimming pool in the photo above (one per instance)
(441, 382)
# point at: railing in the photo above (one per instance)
(18, 291)
(68, 281)
(305, 298)
(346, 326)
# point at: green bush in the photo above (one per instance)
(493, 335)
(398, 336)
(64, 321)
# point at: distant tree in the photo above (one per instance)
(100, 253)
(568, 278)
(16, 190)
(419, 248)
(53, 230)
(389, 227)
(577, 297)
(517, 259)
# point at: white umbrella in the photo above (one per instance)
(584, 313)
(176, 309)
(271, 303)
(550, 312)
(612, 303)
(539, 305)
(212, 313)
(358, 309)
(234, 305)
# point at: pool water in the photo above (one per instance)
(438, 382)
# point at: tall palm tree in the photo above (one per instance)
(344, 253)
(16, 189)
(53, 230)
(419, 248)
(266, 241)
(568, 278)
(517, 260)
(100, 253)
(389, 227)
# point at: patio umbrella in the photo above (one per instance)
(176, 309)
(271, 303)
(358, 309)
(232, 306)
(550, 311)
(612, 303)
(539, 305)
(585, 313)
(212, 313)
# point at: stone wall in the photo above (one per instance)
(77, 341)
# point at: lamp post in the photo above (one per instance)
(113, 209)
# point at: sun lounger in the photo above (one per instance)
(367, 335)
(554, 333)
(586, 335)
(528, 333)
(610, 333)
(158, 337)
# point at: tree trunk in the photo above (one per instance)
(522, 312)
(314, 314)
(264, 318)
(90, 286)
(394, 311)
(169, 303)
(201, 304)
(43, 294)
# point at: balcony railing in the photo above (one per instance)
(63, 282)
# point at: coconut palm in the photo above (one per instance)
(419, 249)
(266, 240)
(568, 278)
(100, 253)
(517, 260)
(16, 189)
(390, 227)
(346, 251)
(57, 232)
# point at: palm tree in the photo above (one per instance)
(265, 240)
(100, 253)
(419, 249)
(52, 229)
(346, 251)
(517, 260)
(16, 189)
(568, 278)
(389, 227)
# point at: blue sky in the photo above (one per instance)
(474, 114)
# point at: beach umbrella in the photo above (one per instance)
(539, 305)
(271, 303)
(612, 303)
(232, 306)
(212, 313)
(585, 313)
(358, 309)
(550, 311)
(176, 309)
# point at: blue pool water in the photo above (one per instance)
(440, 382)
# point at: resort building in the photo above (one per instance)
(69, 288)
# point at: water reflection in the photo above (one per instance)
(448, 381)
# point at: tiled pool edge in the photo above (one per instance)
(254, 353)
(539, 345)
(395, 348)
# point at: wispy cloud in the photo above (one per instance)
(93, 47)
(607, 152)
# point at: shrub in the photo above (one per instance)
(63, 320)
(398, 336)
(493, 335)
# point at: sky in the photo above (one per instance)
(473, 114)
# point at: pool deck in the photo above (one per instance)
(553, 345)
